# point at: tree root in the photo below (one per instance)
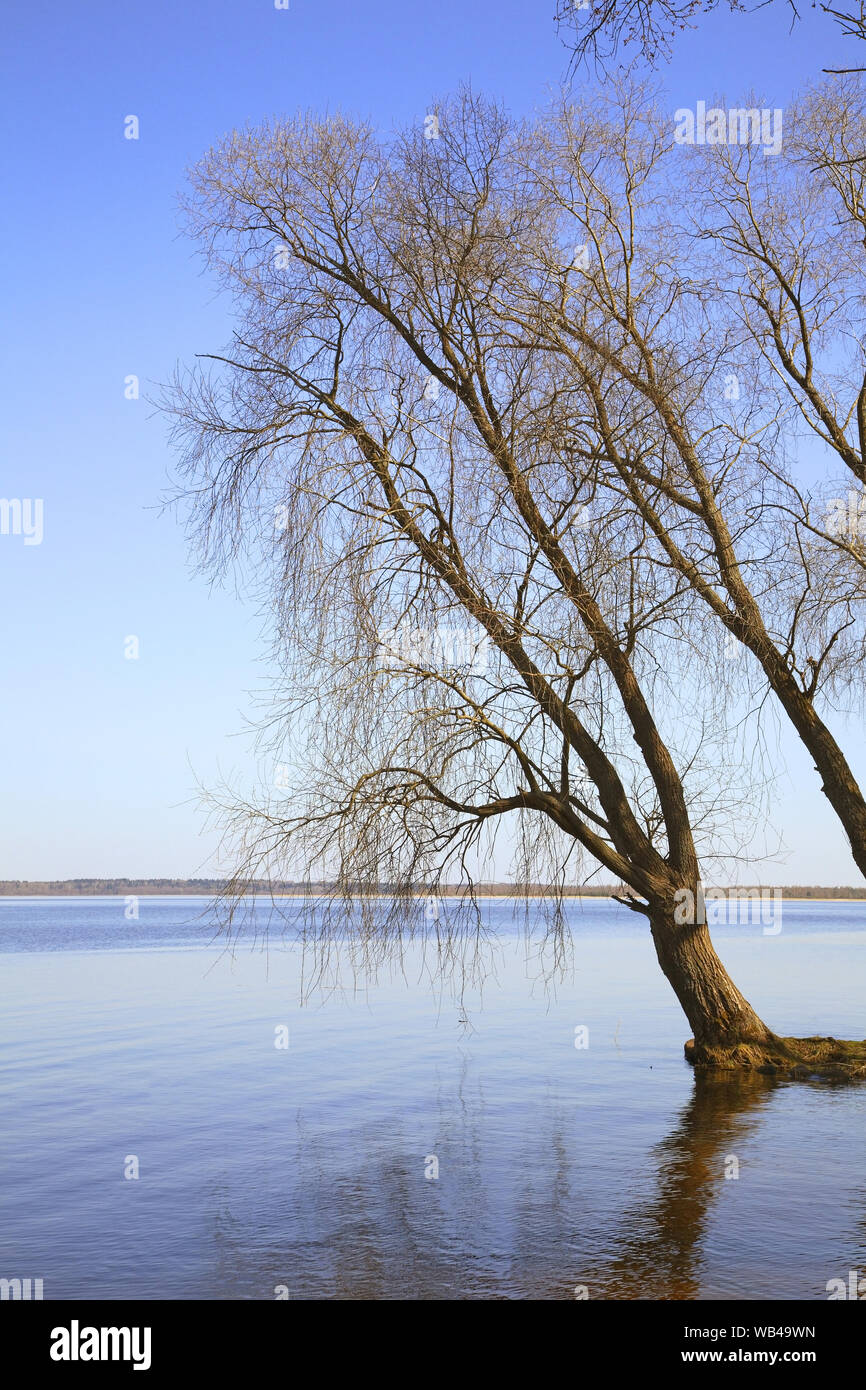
(801, 1059)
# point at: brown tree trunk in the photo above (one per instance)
(727, 1031)
(838, 782)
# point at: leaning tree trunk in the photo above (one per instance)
(727, 1031)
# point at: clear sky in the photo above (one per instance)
(101, 753)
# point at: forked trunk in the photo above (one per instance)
(727, 1031)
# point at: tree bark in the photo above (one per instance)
(838, 782)
(727, 1031)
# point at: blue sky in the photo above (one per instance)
(101, 753)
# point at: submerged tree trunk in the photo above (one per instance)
(727, 1031)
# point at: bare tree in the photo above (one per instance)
(792, 229)
(852, 22)
(596, 31)
(688, 374)
(403, 399)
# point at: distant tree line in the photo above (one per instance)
(106, 887)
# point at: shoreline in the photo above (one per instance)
(444, 897)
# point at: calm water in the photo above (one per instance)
(310, 1166)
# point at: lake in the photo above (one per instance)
(515, 1120)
